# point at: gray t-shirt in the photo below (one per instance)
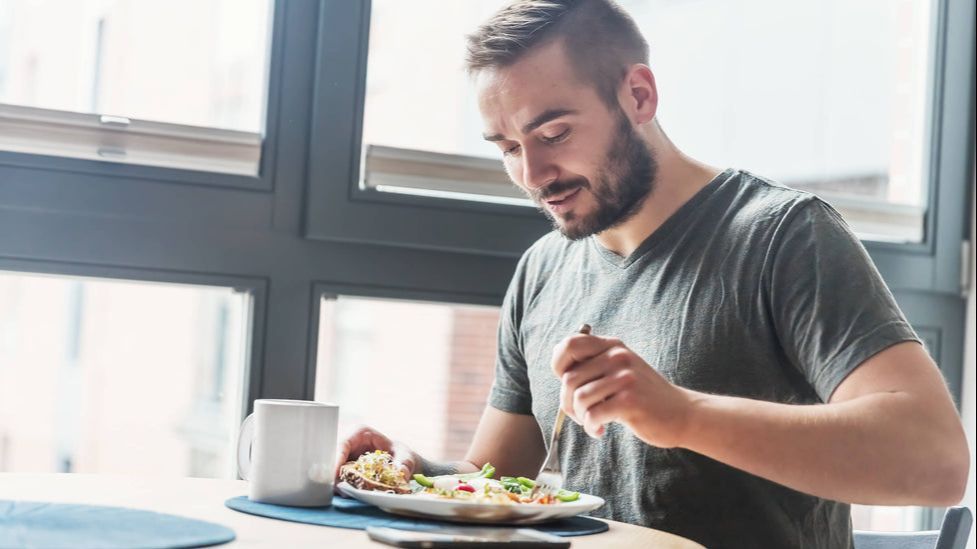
(750, 289)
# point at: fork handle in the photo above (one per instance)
(560, 415)
(551, 455)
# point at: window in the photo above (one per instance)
(172, 84)
(100, 376)
(826, 96)
(434, 148)
(823, 96)
(377, 357)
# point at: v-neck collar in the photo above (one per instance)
(666, 228)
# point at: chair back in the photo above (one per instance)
(951, 535)
(956, 528)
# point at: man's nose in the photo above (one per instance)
(538, 170)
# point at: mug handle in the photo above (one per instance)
(244, 440)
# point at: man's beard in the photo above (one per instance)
(621, 186)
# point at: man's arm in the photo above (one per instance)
(889, 435)
(512, 443)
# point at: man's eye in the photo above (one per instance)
(513, 150)
(557, 138)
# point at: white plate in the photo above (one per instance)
(430, 506)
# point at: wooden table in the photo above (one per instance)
(204, 499)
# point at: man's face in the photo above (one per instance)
(582, 163)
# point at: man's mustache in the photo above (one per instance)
(559, 187)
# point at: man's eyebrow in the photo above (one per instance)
(547, 116)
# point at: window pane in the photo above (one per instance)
(443, 116)
(419, 372)
(828, 96)
(100, 376)
(886, 519)
(190, 62)
(425, 149)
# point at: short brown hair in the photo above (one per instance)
(601, 39)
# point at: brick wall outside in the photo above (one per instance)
(471, 370)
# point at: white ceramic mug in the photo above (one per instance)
(287, 452)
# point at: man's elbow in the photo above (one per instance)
(947, 475)
(953, 488)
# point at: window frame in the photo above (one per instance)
(937, 263)
(337, 209)
(263, 181)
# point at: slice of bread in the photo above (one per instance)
(352, 475)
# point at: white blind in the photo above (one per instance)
(119, 139)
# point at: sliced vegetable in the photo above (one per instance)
(513, 485)
(564, 495)
(488, 470)
(423, 481)
(527, 482)
(465, 488)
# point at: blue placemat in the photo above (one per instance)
(39, 524)
(350, 513)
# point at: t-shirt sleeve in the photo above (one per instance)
(510, 389)
(830, 306)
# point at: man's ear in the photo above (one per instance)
(640, 94)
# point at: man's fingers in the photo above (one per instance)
(363, 439)
(586, 372)
(366, 439)
(572, 381)
(404, 458)
(344, 451)
(578, 348)
(599, 415)
(598, 391)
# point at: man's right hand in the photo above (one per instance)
(367, 439)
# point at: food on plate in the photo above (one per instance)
(480, 487)
(375, 471)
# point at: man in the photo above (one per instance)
(749, 371)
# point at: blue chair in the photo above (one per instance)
(951, 535)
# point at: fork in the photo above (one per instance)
(550, 477)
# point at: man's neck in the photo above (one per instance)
(678, 179)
